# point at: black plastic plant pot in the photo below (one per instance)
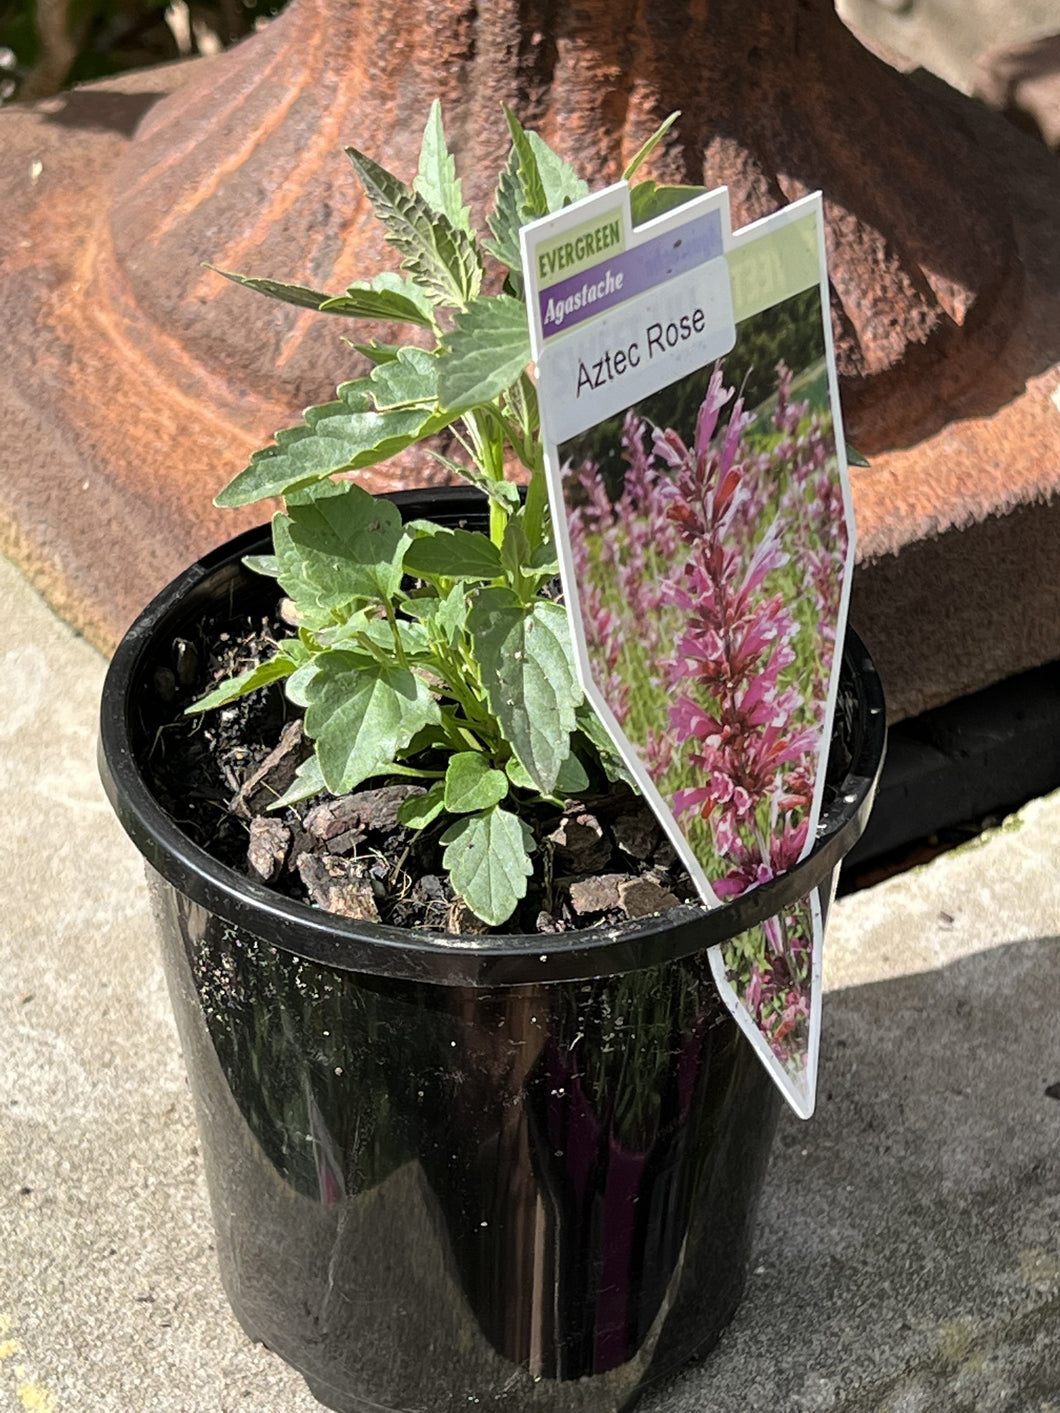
(513, 1172)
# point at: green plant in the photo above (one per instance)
(434, 653)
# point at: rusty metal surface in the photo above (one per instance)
(244, 167)
(137, 382)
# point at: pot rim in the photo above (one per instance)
(425, 954)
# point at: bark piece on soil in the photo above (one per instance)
(640, 897)
(267, 848)
(364, 810)
(598, 894)
(581, 844)
(665, 856)
(275, 773)
(636, 832)
(338, 886)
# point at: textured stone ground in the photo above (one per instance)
(908, 1257)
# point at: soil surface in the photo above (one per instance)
(600, 860)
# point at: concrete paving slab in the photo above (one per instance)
(908, 1257)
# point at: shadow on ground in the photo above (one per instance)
(909, 1248)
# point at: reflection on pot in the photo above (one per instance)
(554, 1184)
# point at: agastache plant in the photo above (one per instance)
(425, 652)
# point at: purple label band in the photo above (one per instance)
(612, 282)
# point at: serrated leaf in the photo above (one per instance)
(532, 199)
(387, 297)
(488, 858)
(339, 407)
(533, 182)
(439, 257)
(437, 181)
(339, 441)
(485, 353)
(452, 554)
(361, 714)
(354, 396)
(644, 152)
(520, 404)
(340, 547)
(409, 380)
(648, 200)
(272, 671)
(507, 217)
(528, 675)
(420, 810)
(561, 183)
(472, 784)
(299, 295)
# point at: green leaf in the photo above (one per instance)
(266, 564)
(339, 547)
(562, 184)
(505, 493)
(532, 199)
(361, 714)
(452, 554)
(648, 200)
(420, 810)
(508, 216)
(339, 441)
(437, 181)
(571, 780)
(520, 405)
(471, 783)
(528, 675)
(488, 858)
(446, 616)
(485, 353)
(533, 182)
(440, 258)
(377, 352)
(300, 295)
(372, 636)
(854, 457)
(515, 548)
(649, 147)
(296, 687)
(308, 781)
(597, 734)
(272, 671)
(388, 296)
(544, 561)
(409, 380)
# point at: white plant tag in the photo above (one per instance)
(699, 490)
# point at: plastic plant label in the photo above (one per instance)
(699, 490)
